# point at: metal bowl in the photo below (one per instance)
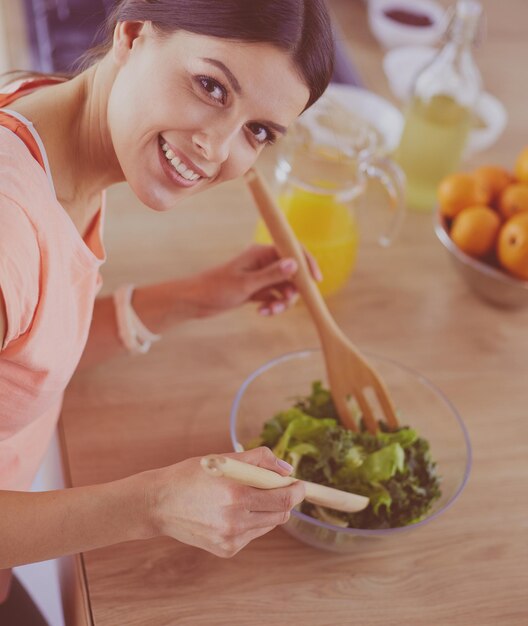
(490, 283)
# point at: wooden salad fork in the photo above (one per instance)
(349, 374)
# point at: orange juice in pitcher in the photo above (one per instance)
(326, 228)
(323, 165)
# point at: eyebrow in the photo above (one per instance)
(229, 74)
(238, 89)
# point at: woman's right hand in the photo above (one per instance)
(218, 514)
(180, 501)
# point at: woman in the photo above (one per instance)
(185, 95)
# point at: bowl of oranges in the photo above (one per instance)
(482, 221)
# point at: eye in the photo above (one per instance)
(213, 89)
(261, 133)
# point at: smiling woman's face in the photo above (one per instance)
(188, 111)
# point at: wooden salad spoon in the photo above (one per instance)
(348, 372)
(248, 474)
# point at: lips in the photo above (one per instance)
(182, 160)
(185, 178)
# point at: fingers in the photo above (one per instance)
(278, 500)
(236, 514)
(269, 278)
(266, 257)
(242, 525)
(257, 256)
(277, 299)
(257, 532)
(273, 274)
(314, 268)
(272, 501)
(266, 279)
(264, 457)
(230, 547)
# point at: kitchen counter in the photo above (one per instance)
(467, 568)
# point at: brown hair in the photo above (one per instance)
(300, 27)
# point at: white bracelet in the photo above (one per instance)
(134, 335)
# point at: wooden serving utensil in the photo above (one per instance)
(254, 476)
(348, 372)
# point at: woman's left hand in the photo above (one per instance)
(257, 275)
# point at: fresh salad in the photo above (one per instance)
(393, 469)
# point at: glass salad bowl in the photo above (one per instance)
(276, 385)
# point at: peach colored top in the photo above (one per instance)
(49, 277)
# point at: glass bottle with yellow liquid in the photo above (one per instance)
(439, 114)
(323, 165)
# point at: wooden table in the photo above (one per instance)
(469, 567)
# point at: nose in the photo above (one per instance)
(214, 143)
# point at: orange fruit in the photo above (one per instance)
(458, 191)
(494, 178)
(513, 199)
(475, 230)
(512, 245)
(521, 166)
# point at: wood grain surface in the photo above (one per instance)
(467, 568)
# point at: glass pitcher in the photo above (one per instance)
(323, 165)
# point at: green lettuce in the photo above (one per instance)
(393, 469)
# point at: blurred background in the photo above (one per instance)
(50, 35)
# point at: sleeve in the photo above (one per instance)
(19, 268)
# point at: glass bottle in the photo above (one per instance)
(439, 115)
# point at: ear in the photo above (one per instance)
(125, 35)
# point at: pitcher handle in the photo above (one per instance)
(392, 178)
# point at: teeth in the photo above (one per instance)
(180, 167)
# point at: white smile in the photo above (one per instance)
(178, 165)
